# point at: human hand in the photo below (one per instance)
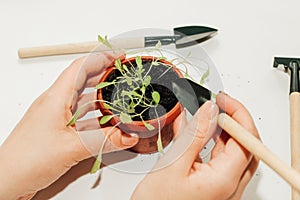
(41, 148)
(225, 176)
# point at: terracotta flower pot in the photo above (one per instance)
(148, 139)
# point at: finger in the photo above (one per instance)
(86, 103)
(237, 111)
(94, 65)
(93, 140)
(246, 177)
(232, 161)
(201, 127)
(73, 79)
(89, 124)
(179, 123)
(196, 134)
(94, 80)
(220, 143)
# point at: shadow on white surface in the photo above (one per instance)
(250, 192)
(77, 171)
(72, 175)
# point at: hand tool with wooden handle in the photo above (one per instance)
(293, 65)
(183, 36)
(192, 96)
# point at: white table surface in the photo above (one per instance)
(250, 34)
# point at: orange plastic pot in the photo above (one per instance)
(147, 139)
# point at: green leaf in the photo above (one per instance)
(116, 102)
(213, 95)
(161, 58)
(96, 166)
(105, 119)
(100, 39)
(125, 68)
(118, 65)
(74, 118)
(118, 62)
(132, 105)
(159, 145)
(148, 126)
(125, 118)
(131, 110)
(155, 63)
(107, 106)
(158, 45)
(105, 41)
(129, 81)
(156, 97)
(138, 61)
(186, 73)
(104, 84)
(124, 93)
(134, 93)
(147, 80)
(204, 77)
(143, 89)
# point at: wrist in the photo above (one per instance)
(10, 182)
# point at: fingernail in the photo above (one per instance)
(222, 92)
(129, 139)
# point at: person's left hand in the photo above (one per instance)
(42, 148)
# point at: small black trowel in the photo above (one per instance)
(192, 95)
(182, 37)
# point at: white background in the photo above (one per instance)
(250, 34)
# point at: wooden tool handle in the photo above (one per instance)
(84, 47)
(295, 135)
(256, 147)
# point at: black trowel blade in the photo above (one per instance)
(191, 35)
(190, 94)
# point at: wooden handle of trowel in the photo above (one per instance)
(256, 147)
(83, 47)
(60, 49)
(295, 135)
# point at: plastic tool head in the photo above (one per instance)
(191, 35)
(293, 64)
(183, 36)
(190, 94)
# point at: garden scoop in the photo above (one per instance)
(183, 37)
(293, 64)
(192, 96)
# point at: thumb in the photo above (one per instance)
(197, 133)
(93, 140)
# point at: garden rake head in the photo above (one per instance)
(292, 64)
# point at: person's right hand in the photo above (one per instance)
(225, 176)
(41, 148)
